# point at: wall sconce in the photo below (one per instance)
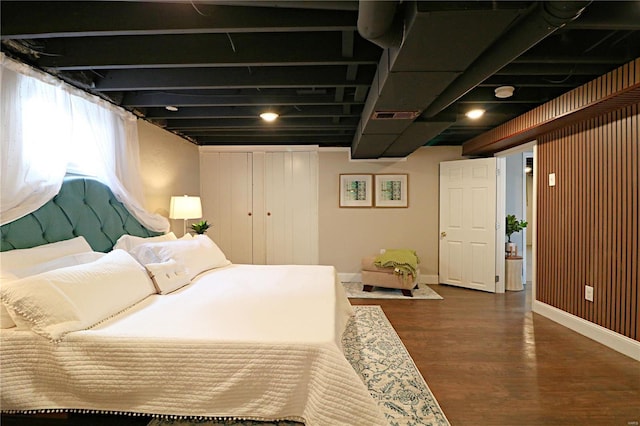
(185, 207)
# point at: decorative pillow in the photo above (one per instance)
(198, 254)
(168, 276)
(78, 297)
(128, 242)
(23, 258)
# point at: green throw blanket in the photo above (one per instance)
(403, 261)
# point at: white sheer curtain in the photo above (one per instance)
(47, 128)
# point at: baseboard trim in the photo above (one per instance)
(356, 277)
(611, 339)
(429, 279)
(350, 277)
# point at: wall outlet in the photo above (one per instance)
(588, 293)
(552, 179)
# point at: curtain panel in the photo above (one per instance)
(46, 126)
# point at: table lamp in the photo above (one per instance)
(185, 207)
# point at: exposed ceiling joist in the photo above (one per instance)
(221, 63)
(47, 19)
(230, 78)
(205, 50)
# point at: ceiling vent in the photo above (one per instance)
(394, 115)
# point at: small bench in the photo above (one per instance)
(375, 276)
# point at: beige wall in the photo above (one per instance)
(170, 166)
(348, 234)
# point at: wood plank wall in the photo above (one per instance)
(588, 224)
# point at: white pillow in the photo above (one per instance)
(128, 242)
(62, 262)
(77, 297)
(198, 254)
(5, 276)
(5, 319)
(168, 276)
(23, 258)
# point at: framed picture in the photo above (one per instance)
(392, 190)
(356, 190)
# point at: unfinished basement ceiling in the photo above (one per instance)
(403, 81)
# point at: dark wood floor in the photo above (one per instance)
(490, 361)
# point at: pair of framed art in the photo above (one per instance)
(368, 190)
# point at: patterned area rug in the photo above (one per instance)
(354, 291)
(379, 357)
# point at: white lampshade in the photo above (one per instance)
(185, 207)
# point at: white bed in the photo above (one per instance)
(238, 341)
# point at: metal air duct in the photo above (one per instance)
(379, 23)
(544, 20)
(421, 74)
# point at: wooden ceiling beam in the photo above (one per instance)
(231, 78)
(252, 112)
(533, 69)
(273, 139)
(46, 19)
(161, 99)
(202, 50)
(257, 123)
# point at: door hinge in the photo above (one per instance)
(497, 172)
(497, 278)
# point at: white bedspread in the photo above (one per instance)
(245, 341)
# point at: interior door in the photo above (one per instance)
(291, 201)
(226, 193)
(467, 249)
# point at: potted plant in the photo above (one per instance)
(200, 227)
(513, 225)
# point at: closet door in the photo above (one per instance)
(227, 202)
(291, 207)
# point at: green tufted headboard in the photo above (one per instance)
(82, 207)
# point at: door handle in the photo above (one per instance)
(443, 234)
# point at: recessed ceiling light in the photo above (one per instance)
(475, 113)
(269, 116)
(171, 108)
(504, 91)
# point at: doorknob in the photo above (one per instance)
(443, 234)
